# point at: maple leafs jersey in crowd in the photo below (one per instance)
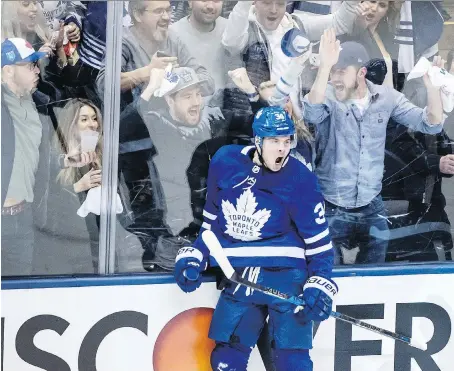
(264, 218)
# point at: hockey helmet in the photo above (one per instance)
(273, 122)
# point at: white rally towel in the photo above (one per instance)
(92, 203)
(438, 77)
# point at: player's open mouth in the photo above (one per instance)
(272, 19)
(370, 17)
(279, 160)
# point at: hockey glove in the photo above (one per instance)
(189, 264)
(318, 293)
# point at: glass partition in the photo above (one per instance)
(172, 82)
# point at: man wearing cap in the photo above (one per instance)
(350, 116)
(25, 154)
(172, 137)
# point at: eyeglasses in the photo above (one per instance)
(31, 65)
(159, 11)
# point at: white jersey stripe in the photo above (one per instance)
(265, 251)
(206, 226)
(246, 149)
(189, 252)
(320, 249)
(317, 237)
(209, 215)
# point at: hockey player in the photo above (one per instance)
(267, 211)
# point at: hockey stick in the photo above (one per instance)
(217, 253)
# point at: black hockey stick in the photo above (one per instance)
(217, 253)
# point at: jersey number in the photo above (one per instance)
(320, 210)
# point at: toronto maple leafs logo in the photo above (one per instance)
(243, 221)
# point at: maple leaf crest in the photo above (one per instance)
(243, 221)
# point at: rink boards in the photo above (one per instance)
(144, 323)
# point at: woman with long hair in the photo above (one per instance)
(26, 20)
(376, 29)
(80, 168)
(83, 169)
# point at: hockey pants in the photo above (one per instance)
(240, 316)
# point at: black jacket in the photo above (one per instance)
(420, 154)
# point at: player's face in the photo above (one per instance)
(206, 12)
(186, 105)
(275, 150)
(270, 13)
(345, 82)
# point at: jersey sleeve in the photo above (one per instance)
(307, 211)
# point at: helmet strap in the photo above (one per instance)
(258, 158)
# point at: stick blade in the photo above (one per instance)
(216, 251)
(418, 344)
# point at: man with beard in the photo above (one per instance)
(147, 45)
(201, 32)
(172, 141)
(350, 116)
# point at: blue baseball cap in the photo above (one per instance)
(16, 50)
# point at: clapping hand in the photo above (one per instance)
(329, 49)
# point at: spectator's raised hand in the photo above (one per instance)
(157, 75)
(447, 165)
(241, 80)
(362, 10)
(90, 180)
(47, 48)
(329, 49)
(58, 37)
(72, 32)
(437, 62)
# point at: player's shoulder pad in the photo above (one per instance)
(231, 153)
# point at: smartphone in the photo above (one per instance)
(161, 54)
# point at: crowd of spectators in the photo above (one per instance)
(193, 74)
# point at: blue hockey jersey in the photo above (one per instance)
(264, 218)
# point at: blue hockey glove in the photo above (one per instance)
(189, 264)
(318, 293)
